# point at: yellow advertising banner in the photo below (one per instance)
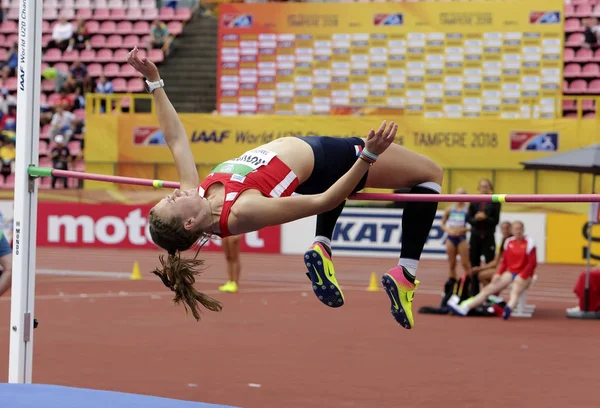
(472, 144)
(482, 59)
(567, 239)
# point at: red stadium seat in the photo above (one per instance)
(150, 14)
(8, 27)
(573, 25)
(135, 85)
(67, 13)
(568, 55)
(141, 28)
(62, 66)
(52, 55)
(593, 88)
(118, 14)
(114, 41)
(47, 85)
(175, 27)
(156, 56)
(124, 27)
(101, 14)
(134, 14)
(183, 14)
(569, 10)
(111, 70)
(116, 4)
(131, 41)
(166, 14)
(11, 84)
(70, 56)
(579, 86)
(119, 85)
(572, 70)
(98, 41)
(92, 26)
(583, 10)
(104, 55)
(575, 39)
(94, 70)
(54, 98)
(590, 70)
(128, 71)
(87, 56)
(107, 28)
(50, 14)
(84, 14)
(582, 55)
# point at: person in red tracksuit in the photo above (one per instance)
(517, 265)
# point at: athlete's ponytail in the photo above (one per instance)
(176, 273)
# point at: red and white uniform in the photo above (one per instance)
(257, 169)
(519, 257)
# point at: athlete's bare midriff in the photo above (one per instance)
(295, 153)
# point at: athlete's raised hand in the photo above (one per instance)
(378, 141)
(143, 65)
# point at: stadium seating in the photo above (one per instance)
(114, 26)
(581, 69)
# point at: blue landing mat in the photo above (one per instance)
(54, 396)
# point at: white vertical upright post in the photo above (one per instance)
(25, 212)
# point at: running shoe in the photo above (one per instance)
(401, 293)
(507, 312)
(322, 275)
(229, 287)
(458, 307)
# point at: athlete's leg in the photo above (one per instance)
(396, 168)
(497, 285)
(463, 251)
(451, 252)
(488, 250)
(519, 285)
(231, 248)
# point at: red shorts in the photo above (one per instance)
(523, 275)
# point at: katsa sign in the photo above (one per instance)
(121, 226)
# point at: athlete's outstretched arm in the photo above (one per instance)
(170, 124)
(258, 212)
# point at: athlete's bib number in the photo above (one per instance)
(247, 163)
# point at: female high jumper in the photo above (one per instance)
(255, 190)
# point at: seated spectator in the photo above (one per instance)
(65, 100)
(60, 78)
(7, 156)
(80, 38)
(159, 37)
(6, 99)
(486, 272)
(61, 156)
(517, 265)
(9, 119)
(104, 86)
(78, 99)
(171, 3)
(61, 34)
(9, 66)
(79, 78)
(62, 122)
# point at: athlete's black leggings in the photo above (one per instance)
(478, 246)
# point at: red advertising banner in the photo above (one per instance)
(121, 226)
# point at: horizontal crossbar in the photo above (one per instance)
(468, 198)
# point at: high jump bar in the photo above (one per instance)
(482, 198)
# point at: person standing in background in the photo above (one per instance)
(484, 218)
(231, 247)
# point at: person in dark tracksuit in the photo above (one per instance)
(484, 218)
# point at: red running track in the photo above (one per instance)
(275, 345)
